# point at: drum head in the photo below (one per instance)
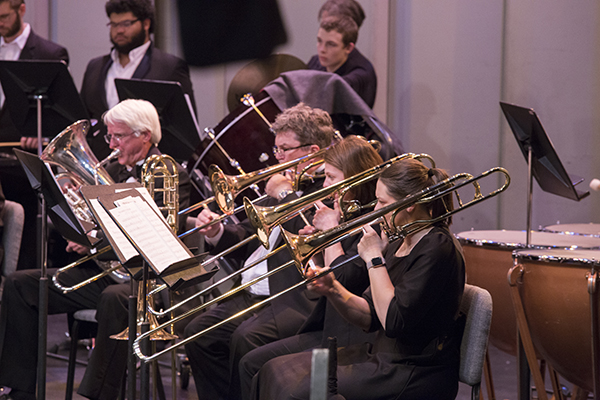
(575, 229)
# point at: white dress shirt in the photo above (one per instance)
(116, 70)
(12, 51)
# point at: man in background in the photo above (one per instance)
(133, 56)
(336, 51)
(18, 41)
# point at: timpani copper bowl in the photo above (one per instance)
(583, 229)
(554, 286)
(488, 258)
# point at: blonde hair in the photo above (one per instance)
(310, 125)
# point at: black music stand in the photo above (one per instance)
(180, 132)
(543, 164)
(41, 97)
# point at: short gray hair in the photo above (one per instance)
(139, 115)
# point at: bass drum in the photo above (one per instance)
(589, 229)
(488, 258)
(554, 292)
(243, 138)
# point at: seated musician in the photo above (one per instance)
(300, 130)
(134, 128)
(412, 304)
(349, 157)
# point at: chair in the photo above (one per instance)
(84, 326)
(477, 306)
(14, 218)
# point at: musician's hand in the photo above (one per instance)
(77, 248)
(29, 143)
(307, 230)
(277, 184)
(322, 285)
(204, 218)
(325, 217)
(371, 245)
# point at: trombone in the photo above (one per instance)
(265, 218)
(303, 247)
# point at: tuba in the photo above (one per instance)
(70, 151)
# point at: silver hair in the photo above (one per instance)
(139, 115)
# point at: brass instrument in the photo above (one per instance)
(303, 247)
(265, 218)
(70, 151)
(164, 168)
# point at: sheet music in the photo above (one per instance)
(124, 245)
(151, 235)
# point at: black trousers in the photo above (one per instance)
(253, 361)
(19, 328)
(212, 355)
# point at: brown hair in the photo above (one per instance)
(311, 125)
(410, 176)
(352, 156)
(342, 25)
(349, 8)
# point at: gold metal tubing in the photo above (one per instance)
(197, 206)
(227, 187)
(214, 285)
(265, 218)
(303, 247)
(89, 257)
(202, 307)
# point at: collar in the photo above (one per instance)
(21, 39)
(135, 55)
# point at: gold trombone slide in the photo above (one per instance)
(264, 218)
(303, 247)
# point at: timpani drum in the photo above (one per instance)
(554, 291)
(488, 257)
(589, 229)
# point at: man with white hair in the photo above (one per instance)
(134, 129)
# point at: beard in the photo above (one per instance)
(14, 28)
(136, 41)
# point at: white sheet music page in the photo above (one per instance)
(149, 232)
(121, 241)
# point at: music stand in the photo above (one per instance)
(180, 132)
(543, 164)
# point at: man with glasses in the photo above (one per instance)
(134, 128)
(214, 357)
(133, 56)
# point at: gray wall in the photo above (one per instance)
(442, 68)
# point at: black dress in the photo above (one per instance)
(416, 355)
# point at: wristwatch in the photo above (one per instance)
(375, 262)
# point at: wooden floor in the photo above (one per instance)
(503, 370)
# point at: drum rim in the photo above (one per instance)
(518, 245)
(563, 258)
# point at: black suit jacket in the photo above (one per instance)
(155, 65)
(36, 48)
(291, 309)
(357, 71)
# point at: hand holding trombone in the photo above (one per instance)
(304, 247)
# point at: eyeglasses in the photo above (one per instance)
(123, 24)
(119, 136)
(279, 150)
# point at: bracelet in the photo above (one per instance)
(283, 194)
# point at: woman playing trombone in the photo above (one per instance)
(412, 304)
(349, 157)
